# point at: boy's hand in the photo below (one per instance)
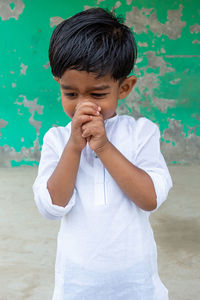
(84, 113)
(94, 132)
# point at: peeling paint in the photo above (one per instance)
(3, 123)
(142, 44)
(99, 1)
(195, 28)
(175, 133)
(167, 69)
(32, 107)
(129, 2)
(117, 5)
(54, 21)
(87, 7)
(197, 116)
(12, 5)
(8, 11)
(47, 65)
(163, 104)
(180, 55)
(23, 69)
(155, 61)
(196, 42)
(172, 28)
(175, 81)
(8, 154)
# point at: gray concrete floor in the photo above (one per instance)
(28, 240)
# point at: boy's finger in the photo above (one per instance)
(86, 133)
(94, 119)
(87, 110)
(87, 104)
(83, 119)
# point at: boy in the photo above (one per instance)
(103, 173)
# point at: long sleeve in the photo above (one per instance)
(150, 159)
(48, 162)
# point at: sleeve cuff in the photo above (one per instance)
(45, 205)
(162, 187)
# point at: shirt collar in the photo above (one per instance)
(111, 120)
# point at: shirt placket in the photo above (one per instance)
(99, 182)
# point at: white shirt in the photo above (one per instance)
(105, 248)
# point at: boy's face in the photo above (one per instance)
(78, 86)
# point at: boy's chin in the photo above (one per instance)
(109, 116)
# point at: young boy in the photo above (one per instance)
(102, 174)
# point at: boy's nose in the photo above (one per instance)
(86, 99)
(82, 100)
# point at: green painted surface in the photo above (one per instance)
(167, 91)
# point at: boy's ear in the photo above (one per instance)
(127, 86)
(57, 79)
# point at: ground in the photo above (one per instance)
(28, 240)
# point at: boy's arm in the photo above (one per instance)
(62, 181)
(133, 181)
(48, 162)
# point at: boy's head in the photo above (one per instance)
(97, 44)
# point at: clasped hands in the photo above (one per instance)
(88, 126)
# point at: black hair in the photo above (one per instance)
(96, 41)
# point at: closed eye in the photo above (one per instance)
(99, 95)
(70, 94)
(73, 95)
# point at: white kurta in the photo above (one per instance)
(105, 248)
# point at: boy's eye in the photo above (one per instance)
(70, 95)
(73, 95)
(99, 95)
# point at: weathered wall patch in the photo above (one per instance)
(167, 90)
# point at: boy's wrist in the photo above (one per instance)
(74, 148)
(103, 149)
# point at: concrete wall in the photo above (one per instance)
(167, 91)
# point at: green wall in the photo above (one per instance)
(167, 91)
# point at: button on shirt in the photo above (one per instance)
(105, 246)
